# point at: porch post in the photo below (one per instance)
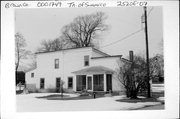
(75, 83)
(92, 82)
(86, 82)
(105, 88)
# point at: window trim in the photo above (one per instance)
(86, 60)
(71, 82)
(32, 75)
(56, 66)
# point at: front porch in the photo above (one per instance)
(97, 78)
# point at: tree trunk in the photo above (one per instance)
(17, 65)
(134, 94)
(128, 93)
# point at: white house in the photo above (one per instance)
(79, 69)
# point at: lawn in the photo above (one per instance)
(40, 102)
(50, 102)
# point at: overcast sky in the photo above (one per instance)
(39, 24)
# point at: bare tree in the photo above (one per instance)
(51, 45)
(33, 63)
(157, 66)
(21, 52)
(45, 45)
(84, 29)
(132, 75)
(123, 73)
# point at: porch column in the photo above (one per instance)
(92, 83)
(75, 83)
(105, 88)
(86, 82)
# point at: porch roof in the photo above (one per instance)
(94, 70)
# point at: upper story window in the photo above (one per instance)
(86, 60)
(56, 63)
(32, 75)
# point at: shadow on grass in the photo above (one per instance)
(138, 100)
(154, 98)
(67, 97)
(154, 94)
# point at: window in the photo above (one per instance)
(42, 83)
(58, 81)
(32, 75)
(86, 60)
(70, 82)
(80, 82)
(56, 63)
(98, 81)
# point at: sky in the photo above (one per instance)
(39, 24)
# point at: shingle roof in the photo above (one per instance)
(94, 70)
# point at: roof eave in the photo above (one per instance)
(62, 50)
(112, 56)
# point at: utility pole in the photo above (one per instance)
(147, 53)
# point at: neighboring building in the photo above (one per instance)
(20, 77)
(79, 69)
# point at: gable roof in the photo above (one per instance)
(94, 69)
(62, 50)
(94, 49)
(31, 69)
(97, 50)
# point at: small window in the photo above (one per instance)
(70, 82)
(86, 60)
(58, 80)
(32, 75)
(56, 63)
(42, 83)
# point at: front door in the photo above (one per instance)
(109, 82)
(89, 81)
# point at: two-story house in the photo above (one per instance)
(79, 69)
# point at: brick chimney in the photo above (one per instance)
(131, 57)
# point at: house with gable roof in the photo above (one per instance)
(85, 68)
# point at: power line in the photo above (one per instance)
(123, 38)
(129, 34)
